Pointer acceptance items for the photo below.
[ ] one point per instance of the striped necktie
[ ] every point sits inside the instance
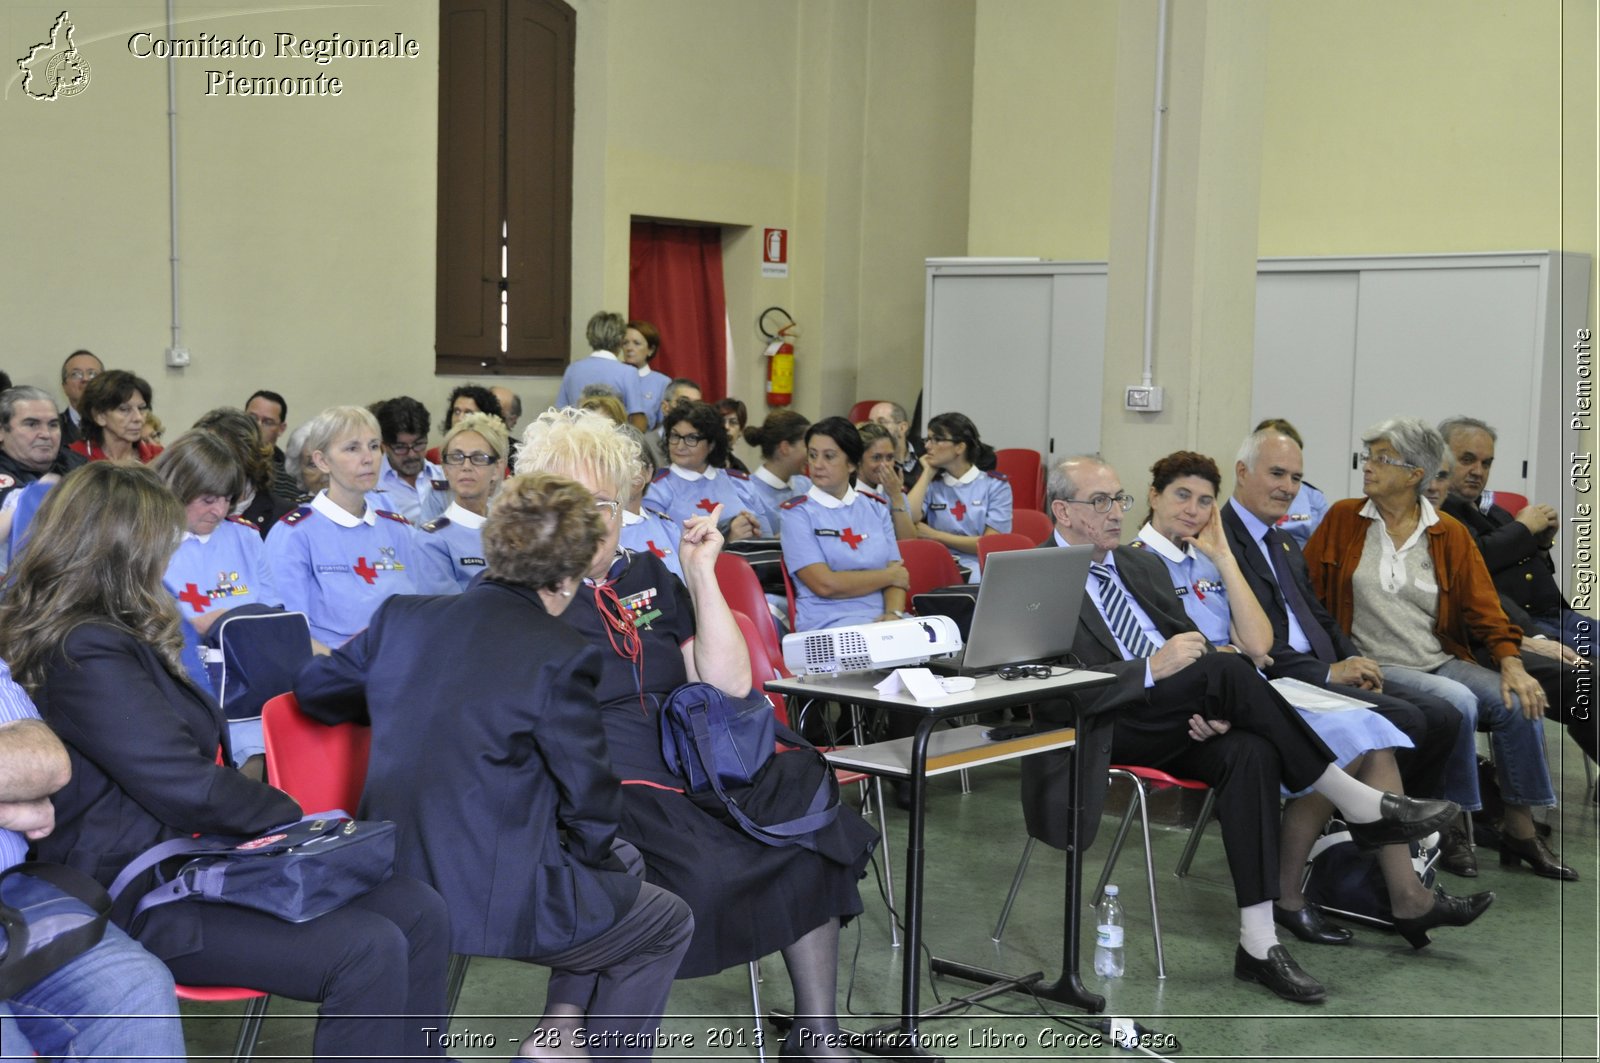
(1119, 613)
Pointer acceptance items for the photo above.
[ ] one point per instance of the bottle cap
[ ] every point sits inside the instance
(1111, 891)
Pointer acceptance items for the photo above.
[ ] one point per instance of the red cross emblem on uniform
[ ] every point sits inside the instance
(192, 597)
(959, 511)
(366, 571)
(654, 549)
(852, 538)
(706, 504)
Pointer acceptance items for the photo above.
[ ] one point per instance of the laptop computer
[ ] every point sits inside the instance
(1027, 610)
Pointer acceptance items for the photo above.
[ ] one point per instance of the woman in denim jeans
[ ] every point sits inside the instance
(1410, 587)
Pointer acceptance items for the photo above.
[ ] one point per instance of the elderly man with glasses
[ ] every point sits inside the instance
(76, 372)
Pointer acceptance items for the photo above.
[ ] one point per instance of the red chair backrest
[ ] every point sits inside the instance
(743, 592)
(929, 564)
(1023, 468)
(761, 667)
(862, 410)
(321, 766)
(1035, 525)
(1511, 502)
(996, 542)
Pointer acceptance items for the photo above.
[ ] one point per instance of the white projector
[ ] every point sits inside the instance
(862, 647)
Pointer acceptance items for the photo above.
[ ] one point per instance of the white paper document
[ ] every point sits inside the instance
(1315, 699)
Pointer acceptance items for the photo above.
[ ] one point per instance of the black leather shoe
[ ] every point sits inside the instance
(1446, 911)
(1403, 819)
(1279, 973)
(1456, 855)
(1307, 924)
(1538, 856)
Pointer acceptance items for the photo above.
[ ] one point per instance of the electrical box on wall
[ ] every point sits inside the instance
(177, 357)
(1142, 398)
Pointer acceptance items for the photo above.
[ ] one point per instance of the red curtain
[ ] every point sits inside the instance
(675, 283)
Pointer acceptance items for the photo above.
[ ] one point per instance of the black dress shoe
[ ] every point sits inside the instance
(1307, 924)
(1446, 911)
(1538, 856)
(1279, 973)
(1456, 855)
(1403, 819)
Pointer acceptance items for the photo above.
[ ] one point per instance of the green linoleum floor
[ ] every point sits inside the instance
(1521, 983)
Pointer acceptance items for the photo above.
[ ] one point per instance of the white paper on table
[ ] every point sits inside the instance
(1316, 699)
(918, 682)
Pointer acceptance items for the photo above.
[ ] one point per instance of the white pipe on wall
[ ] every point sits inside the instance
(1152, 232)
(172, 177)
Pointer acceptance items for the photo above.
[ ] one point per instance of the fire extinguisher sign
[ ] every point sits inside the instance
(775, 252)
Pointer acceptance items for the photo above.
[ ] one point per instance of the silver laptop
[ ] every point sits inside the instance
(1027, 609)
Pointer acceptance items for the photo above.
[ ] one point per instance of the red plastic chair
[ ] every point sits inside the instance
(930, 566)
(998, 542)
(1037, 526)
(1511, 502)
(249, 1023)
(1025, 469)
(1141, 778)
(862, 410)
(743, 592)
(323, 767)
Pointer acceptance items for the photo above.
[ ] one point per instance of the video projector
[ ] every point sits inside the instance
(863, 647)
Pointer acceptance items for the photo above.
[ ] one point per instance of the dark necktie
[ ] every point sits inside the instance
(1119, 613)
(1278, 553)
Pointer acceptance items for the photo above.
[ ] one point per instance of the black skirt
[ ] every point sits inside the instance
(749, 899)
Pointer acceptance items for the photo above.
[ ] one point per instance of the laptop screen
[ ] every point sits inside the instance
(1027, 607)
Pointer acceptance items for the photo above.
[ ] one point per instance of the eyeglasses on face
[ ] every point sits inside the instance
(82, 374)
(1368, 457)
(1103, 503)
(940, 439)
(609, 507)
(674, 439)
(409, 448)
(477, 457)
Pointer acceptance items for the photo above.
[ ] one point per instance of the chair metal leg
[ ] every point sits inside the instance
(454, 977)
(1116, 845)
(888, 860)
(1150, 876)
(1016, 885)
(755, 1009)
(1196, 834)
(255, 1009)
(1588, 778)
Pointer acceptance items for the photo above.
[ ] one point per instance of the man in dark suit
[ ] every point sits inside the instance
(1515, 547)
(1179, 706)
(1307, 643)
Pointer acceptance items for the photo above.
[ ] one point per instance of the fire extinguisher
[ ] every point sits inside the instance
(780, 357)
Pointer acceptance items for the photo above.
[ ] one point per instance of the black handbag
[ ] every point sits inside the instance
(296, 872)
(49, 915)
(714, 742)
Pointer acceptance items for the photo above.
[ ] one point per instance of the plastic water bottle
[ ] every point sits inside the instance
(1108, 956)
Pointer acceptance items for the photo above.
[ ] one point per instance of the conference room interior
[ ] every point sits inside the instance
(879, 134)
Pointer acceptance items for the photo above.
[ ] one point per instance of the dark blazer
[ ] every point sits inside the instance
(143, 743)
(1258, 573)
(1047, 777)
(1523, 573)
(488, 753)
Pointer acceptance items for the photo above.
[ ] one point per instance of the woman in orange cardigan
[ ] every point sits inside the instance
(1409, 586)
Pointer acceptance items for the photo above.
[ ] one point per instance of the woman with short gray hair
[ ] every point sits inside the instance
(1412, 590)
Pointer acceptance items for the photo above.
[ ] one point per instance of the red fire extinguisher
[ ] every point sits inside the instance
(780, 357)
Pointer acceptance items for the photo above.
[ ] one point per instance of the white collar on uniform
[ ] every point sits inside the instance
(603, 354)
(202, 539)
(1162, 545)
(341, 516)
(629, 518)
(689, 474)
(972, 473)
(644, 370)
(457, 514)
(827, 501)
(768, 477)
